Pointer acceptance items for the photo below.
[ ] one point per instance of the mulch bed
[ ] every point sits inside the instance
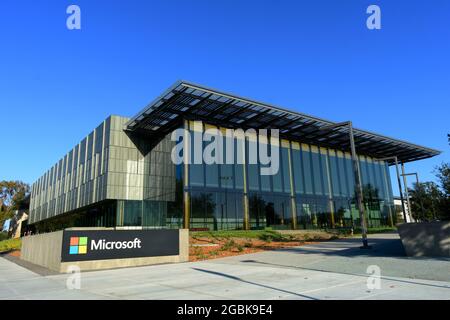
(198, 251)
(14, 253)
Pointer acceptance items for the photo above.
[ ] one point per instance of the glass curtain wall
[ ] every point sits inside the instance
(216, 190)
(101, 215)
(320, 180)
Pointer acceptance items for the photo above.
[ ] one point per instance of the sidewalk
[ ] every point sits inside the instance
(329, 270)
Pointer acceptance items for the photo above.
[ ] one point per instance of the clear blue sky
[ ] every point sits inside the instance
(316, 57)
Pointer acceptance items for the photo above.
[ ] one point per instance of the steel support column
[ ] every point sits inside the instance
(405, 184)
(359, 191)
(291, 181)
(357, 174)
(186, 196)
(246, 225)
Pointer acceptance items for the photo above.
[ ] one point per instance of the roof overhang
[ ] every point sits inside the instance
(186, 100)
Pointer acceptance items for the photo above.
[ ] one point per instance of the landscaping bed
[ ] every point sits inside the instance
(217, 244)
(11, 246)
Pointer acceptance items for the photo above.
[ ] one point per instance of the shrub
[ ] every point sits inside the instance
(3, 236)
(10, 244)
(248, 244)
(269, 236)
(197, 251)
(230, 244)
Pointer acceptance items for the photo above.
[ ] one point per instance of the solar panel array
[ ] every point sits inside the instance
(189, 101)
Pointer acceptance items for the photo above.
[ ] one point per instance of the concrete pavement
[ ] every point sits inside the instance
(345, 257)
(330, 270)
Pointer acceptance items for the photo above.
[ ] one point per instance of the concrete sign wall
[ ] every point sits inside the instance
(43, 249)
(101, 249)
(120, 244)
(427, 239)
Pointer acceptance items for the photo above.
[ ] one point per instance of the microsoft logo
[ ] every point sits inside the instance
(78, 245)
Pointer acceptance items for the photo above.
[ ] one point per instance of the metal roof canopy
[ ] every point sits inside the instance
(186, 100)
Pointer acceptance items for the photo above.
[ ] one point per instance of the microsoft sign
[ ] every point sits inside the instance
(79, 245)
(117, 244)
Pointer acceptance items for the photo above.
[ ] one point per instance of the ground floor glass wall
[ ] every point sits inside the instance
(313, 188)
(213, 210)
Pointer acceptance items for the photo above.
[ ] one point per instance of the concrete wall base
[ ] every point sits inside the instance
(427, 239)
(45, 250)
(116, 263)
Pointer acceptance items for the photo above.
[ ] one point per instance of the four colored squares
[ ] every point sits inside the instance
(78, 245)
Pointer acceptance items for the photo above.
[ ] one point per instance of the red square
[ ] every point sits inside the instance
(73, 241)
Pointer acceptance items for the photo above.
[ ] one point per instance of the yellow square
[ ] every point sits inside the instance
(82, 249)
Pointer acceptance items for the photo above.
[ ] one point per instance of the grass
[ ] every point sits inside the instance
(251, 234)
(375, 230)
(230, 244)
(272, 235)
(265, 235)
(10, 244)
(214, 252)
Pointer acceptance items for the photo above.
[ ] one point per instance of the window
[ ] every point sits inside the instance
(226, 170)
(317, 174)
(154, 214)
(196, 171)
(334, 172)
(297, 171)
(285, 168)
(132, 213)
(343, 182)
(325, 166)
(252, 169)
(238, 168)
(197, 210)
(350, 176)
(256, 211)
(212, 170)
(307, 169)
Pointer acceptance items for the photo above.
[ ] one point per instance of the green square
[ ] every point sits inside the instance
(82, 241)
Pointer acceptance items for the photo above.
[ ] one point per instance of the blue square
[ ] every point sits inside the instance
(73, 250)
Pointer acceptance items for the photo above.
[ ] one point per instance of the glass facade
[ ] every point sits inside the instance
(111, 179)
(313, 188)
(114, 180)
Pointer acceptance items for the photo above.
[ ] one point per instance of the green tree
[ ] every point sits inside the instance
(443, 174)
(14, 195)
(430, 201)
(426, 200)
